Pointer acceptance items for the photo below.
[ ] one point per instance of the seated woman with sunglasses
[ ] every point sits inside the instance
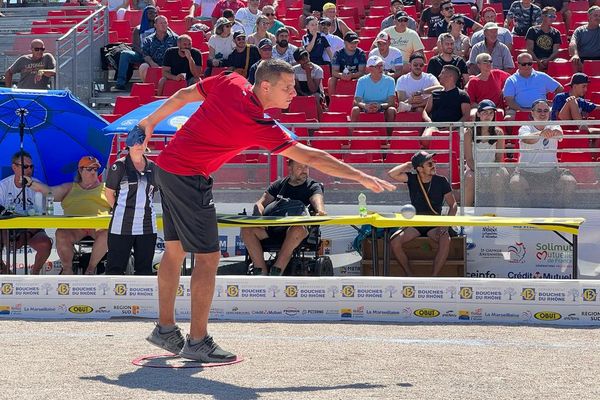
(84, 197)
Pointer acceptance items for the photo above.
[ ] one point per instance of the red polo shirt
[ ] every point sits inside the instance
(222, 5)
(230, 120)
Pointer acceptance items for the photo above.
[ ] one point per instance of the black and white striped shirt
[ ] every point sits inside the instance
(133, 212)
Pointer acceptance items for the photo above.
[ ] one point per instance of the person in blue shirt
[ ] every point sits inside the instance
(374, 92)
(571, 105)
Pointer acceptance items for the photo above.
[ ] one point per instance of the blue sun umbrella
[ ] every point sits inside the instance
(57, 131)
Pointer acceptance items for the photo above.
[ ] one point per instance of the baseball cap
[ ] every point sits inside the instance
(415, 56)
(299, 53)
(237, 34)
(383, 37)
(266, 42)
(400, 14)
(325, 21)
(88, 161)
(578, 79)
(457, 17)
(490, 25)
(420, 158)
(374, 60)
(488, 9)
(351, 37)
(222, 21)
(486, 105)
(328, 6)
(396, 1)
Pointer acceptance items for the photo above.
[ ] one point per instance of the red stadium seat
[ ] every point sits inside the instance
(111, 117)
(306, 104)
(343, 87)
(123, 29)
(125, 104)
(171, 87)
(298, 117)
(145, 91)
(591, 67)
(556, 68)
(341, 103)
(153, 75)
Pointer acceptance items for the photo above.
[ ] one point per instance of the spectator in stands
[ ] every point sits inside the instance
(204, 8)
(540, 143)
(274, 24)
(35, 69)
(449, 105)
(543, 41)
(561, 6)
(134, 56)
(181, 63)
(571, 106)
(223, 5)
(118, 6)
(501, 57)
(312, 8)
(265, 48)
(244, 55)
(142, 4)
(236, 25)
(404, 39)
(430, 16)
(374, 92)
(12, 186)
(84, 197)
(248, 15)
(391, 56)
(283, 49)
(130, 189)
(461, 41)
(492, 179)
(414, 89)
(504, 35)
(220, 45)
(447, 57)
(522, 15)
(155, 45)
(309, 78)
(348, 63)
(487, 85)
(261, 32)
(584, 43)
(336, 43)
(442, 25)
(476, 5)
(315, 42)
(297, 186)
(338, 27)
(526, 86)
(427, 191)
(390, 20)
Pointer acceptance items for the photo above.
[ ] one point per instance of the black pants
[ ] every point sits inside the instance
(119, 250)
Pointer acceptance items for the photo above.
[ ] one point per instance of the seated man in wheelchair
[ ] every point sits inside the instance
(296, 186)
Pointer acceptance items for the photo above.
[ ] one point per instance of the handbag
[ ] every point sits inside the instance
(284, 206)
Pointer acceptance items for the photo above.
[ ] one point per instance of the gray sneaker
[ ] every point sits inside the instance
(171, 341)
(206, 351)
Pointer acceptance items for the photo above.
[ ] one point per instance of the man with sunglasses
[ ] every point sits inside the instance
(395, 6)
(414, 89)
(427, 191)
(404, 39)
(13, 186)
(35, 69)
(526, 86)
(447, 10)
(244, 55)
(543, 41)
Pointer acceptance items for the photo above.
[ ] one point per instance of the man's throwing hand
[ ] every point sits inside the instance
(375, 184)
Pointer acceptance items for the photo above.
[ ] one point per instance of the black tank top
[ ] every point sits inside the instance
(337, 31)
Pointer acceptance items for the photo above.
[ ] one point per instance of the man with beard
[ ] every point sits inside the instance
(283, 49)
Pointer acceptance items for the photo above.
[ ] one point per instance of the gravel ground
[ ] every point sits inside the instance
(93, 360)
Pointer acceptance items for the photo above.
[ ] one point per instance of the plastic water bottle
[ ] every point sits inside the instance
(49, 204)
(10, 204)
(346, 71)
(362, 205)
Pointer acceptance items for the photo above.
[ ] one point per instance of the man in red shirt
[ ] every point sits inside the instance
(487, 84)
(230, 120)
(222, 5)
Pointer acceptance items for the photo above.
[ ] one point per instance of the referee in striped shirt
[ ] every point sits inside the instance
(129, 190)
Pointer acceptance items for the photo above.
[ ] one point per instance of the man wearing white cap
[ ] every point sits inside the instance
(374, 92)
(392, 57)
(501, 57)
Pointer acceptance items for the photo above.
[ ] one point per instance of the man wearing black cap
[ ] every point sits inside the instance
(427, 191)
(244, 55)
(309, 78)
(448, 13)
(265, 48)
(403, 38)
(395, 6)
(571, 106)
(348, 63)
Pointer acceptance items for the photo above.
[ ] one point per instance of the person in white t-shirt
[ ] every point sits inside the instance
(540, 171)
(220, 44)
(247, 16)
(392, 57)
(309, 78)
(11, 198)
(283, 50)
(206, 8)
(335, 42)
(413, 89)
(404, 39)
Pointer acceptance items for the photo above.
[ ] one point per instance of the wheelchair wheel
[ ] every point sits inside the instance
(323, 267)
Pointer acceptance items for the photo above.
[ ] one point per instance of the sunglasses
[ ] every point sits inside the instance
(25, 166)
(90, 169)
(459, 22)
(403, 19)
(239, 39)
(447, 8)
(418, 65)
(526, 64)
(551, 16)
(39, 49)
(485, 62)
(429, 164)
(268, 14)
(542, 110)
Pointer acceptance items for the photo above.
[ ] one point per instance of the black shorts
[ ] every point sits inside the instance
(189, 214)
(423, 230)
